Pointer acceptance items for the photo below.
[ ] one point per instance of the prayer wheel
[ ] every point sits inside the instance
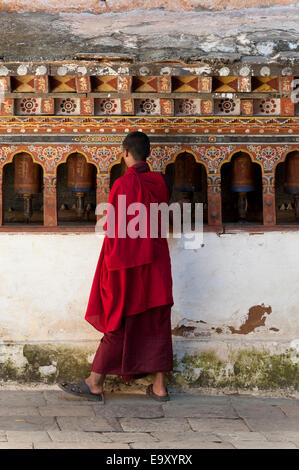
(27, 180)
(79, 178)
(291, 184)
(242, 181)
(187, 175)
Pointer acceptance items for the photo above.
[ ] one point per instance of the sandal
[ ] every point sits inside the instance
(81, 389)
(150, 393)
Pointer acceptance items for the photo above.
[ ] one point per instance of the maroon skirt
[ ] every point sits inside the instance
(141, 346)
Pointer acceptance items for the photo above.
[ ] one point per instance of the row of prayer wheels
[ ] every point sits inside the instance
(27, 180)
(243, 180)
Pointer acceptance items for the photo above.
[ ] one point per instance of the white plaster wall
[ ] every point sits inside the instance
(45, 280)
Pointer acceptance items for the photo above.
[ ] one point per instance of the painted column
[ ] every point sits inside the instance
(269, 206)
(1, 197)
(50, 201)
(214, 200)
(103, 188)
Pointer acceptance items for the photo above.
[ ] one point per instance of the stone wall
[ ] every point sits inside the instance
(269, 33)
(102, 6)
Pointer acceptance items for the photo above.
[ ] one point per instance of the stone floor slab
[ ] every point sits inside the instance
(292, 411)
(254, 409)
(70, 410)
(19, 398)
(130, 411)
(16, 445)
(128, 437)
(77, 445)
(79, 436)
(151, 425)
(185, 436)
(241, 436)
(262, 445)
(201, 410)
(182, 445)
(27, 436)
(217, 425)
(27, 423)
(289, 436)
(78, 423)
(267, 424)
(19, 411)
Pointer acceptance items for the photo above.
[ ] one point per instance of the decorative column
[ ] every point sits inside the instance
(1, 197)
(50, 201)
(269, 205)
(103, 188)
(214, 200)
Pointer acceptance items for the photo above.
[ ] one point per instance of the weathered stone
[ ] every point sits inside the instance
(27, 436)
(186, 436)
(17, 398)
(98, 424)
(182, 445)
(241, 436)
(77, 445)
(217, 425)
(44, 36)
(16, 445)
(270, 424)
(27, 423)
(129, 437)
(289, 436)
(19, 411)
(126, 411)
(199, 411)
(66, 411)
(78, 436)
(253, 409)
(262, 445)
(149, 425)
(292, 411)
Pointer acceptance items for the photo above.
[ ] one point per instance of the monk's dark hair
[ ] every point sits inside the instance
(138, 144)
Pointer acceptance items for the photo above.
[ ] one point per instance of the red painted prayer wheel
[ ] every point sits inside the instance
(292, 173)
(187, 173)
(291, 184)
(242, 173)
(27, 175)
(79, 173)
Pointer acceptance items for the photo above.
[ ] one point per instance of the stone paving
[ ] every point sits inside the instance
(50, 419)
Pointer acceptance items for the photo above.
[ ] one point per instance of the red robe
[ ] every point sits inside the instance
(133, 274)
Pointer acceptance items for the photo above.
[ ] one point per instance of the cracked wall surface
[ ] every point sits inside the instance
(263, 34)
(102, 6)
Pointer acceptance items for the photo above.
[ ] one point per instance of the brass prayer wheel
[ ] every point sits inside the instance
(242, 180)
(27, 180)
(27, 174)
(187, 174)
(79, 178)
(291, 184)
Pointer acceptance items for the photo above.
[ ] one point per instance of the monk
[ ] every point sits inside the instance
(131, 295)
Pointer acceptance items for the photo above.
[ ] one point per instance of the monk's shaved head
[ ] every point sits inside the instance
(138, 145)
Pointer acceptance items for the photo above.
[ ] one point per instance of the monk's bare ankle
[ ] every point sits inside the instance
(94, 386)
(159, 387)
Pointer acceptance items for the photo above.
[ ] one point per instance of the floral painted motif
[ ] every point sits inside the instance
(213, 156)
(268, 156)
